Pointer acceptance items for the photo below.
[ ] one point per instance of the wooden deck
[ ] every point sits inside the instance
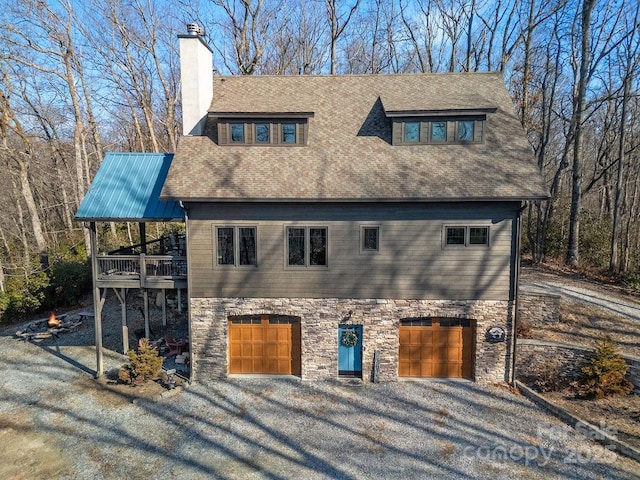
(141, 271)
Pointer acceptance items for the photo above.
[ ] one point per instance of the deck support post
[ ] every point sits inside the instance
(147, 328)
(164, 307)
(122, 296)
(97, 306)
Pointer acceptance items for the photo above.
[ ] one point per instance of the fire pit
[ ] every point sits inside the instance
(48, 327)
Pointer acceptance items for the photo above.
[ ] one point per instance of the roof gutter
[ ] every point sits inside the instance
(357, 200)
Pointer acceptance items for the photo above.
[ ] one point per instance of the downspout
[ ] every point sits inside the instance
(186, 240)
(516, 282)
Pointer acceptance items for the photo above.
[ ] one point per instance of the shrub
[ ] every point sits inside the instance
(145, 364)
(23, 296)
(70, 279)
(605, 372)
(549, 378)
(632, 280)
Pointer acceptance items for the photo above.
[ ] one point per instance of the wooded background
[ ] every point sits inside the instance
(78, 78)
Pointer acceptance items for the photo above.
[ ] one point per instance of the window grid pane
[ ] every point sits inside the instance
(370, 238)
(237, 132)
(288, 133)
(317, 246)
(225, 246)
(438, 131)
(412, 132)
(263, 133)
(465, 131)
(295, 239)
(416, 322)
(455, 235)
(478, 235)
(247, 247)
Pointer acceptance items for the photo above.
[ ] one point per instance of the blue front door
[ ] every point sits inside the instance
(350, 350)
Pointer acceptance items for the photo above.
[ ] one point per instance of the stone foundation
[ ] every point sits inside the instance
(319, 326)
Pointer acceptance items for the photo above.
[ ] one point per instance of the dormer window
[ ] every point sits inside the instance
(465, 131)
(263, 133)
(288, 132)
(438, 126)
(412, 132)
(438, 130)
(263, 130)
(237, 133)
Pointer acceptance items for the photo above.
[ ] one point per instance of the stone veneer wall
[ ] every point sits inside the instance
(537, 310)
(535, 358)
(319, 325)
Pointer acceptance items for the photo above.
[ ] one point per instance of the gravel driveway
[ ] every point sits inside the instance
(56, 422)
(583, 292)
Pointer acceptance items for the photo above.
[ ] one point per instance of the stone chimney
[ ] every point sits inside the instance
(196, 72)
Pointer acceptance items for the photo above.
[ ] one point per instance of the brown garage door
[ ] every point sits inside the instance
(436, 347)
(264, 344)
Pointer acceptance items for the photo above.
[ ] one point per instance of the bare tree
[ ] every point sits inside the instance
(337, 23)
(298, 42)
(373, 44)
(243, 31)
(135, 51)
(17, 149)
(592, 52)
(629, 61)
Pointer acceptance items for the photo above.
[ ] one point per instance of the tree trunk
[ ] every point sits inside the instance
(614, 265)
(27, 194)
(573, 253)
(21, 226)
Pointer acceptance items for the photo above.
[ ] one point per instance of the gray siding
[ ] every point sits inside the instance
(410, 264)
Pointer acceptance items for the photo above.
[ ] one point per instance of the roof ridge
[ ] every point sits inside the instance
(360, 75)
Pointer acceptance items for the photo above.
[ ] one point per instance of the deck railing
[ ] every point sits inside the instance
(142, 268)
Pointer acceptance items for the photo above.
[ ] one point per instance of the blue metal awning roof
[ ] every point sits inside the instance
(127, 187)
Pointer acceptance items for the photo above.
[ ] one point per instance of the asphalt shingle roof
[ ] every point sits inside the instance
(349, 155)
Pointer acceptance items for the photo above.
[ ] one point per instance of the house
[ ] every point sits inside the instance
(350, 226)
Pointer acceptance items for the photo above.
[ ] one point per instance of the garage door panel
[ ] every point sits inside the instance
(235, 364)
(235, 349)
(450, 335)
(453, 354)
(425, 370)
(253, 350)
(427, 337)
(262, 344)
(283, 350)
(431, 349)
